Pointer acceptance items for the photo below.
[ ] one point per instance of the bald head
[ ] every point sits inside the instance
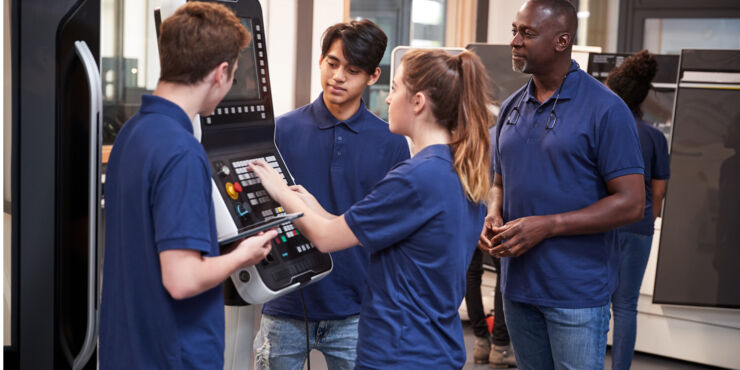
(561, 13)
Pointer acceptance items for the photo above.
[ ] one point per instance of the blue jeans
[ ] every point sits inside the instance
(634, 250)
(557, 338)
(281, 343)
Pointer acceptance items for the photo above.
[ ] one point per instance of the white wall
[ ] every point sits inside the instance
(500, 15)
(612, 27)
(280, 17)
(325, 14)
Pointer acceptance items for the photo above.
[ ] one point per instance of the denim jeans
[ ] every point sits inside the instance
(634, 250)
(557, 338)
(281, 343)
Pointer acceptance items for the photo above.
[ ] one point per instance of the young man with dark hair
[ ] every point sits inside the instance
(162, 304)
(337, 150)
(568, 171)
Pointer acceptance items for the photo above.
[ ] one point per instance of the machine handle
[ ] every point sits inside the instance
(96, 103)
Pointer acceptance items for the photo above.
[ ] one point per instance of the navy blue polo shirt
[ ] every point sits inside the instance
(421, 231)
(339, 163)
(157, 198)
(562, 169)
(657, 167)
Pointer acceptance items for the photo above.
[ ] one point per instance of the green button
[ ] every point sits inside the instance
(283, 238)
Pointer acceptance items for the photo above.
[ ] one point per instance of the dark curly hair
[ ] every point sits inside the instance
(631, 79)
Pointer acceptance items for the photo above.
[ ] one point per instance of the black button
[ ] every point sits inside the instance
(244, 276)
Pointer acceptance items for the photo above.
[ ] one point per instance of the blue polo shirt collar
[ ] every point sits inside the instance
(569, 88)
(325, 120)
(159, 105)
(442, 151)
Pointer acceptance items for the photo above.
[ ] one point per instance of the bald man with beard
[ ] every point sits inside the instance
(568, 170)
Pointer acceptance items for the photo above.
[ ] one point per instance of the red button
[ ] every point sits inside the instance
(237, 187)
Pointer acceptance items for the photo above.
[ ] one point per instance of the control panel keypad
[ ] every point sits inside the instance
(253, 203)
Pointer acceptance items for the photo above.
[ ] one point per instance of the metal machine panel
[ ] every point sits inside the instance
(699, 255)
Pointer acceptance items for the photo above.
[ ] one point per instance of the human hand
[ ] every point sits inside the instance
(271, 180)
(491, 221)
(306, 197)
(518, 236)
(254, 249)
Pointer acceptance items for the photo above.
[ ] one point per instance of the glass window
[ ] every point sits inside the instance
(129, 60)
(428, 23)
(406, 22)
(670, 35)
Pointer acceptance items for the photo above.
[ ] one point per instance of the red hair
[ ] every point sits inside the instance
(456, 86)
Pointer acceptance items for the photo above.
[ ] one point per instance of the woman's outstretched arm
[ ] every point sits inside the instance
(328, 232)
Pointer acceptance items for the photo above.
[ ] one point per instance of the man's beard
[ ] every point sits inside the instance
(522, 68)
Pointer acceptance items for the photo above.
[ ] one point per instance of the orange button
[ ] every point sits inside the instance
(230, 190)
(238, 187)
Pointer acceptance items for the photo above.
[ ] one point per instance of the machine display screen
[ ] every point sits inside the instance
(246, 86)
(497, 61)
(701, 222)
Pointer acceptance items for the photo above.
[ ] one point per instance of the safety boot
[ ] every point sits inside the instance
(481, 348)
(501, 357)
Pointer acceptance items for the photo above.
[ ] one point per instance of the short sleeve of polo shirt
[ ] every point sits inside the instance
(181, 201)
(619, 152)
(494, 135)
(662, 165)
(391, 212)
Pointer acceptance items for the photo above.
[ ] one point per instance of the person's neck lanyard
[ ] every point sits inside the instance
(551, 118)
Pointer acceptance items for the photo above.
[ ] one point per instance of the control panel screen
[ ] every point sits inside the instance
(245, 85)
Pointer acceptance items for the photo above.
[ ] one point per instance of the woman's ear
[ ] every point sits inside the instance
(419, 101)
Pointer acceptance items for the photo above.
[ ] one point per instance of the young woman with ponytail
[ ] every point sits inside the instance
(420, 220)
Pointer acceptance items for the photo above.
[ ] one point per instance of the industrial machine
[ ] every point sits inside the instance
(241, 130)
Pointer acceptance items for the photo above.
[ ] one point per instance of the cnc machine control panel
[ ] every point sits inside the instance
(241, 130)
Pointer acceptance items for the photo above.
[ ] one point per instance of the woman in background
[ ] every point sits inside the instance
(421, 221)
(631, 81)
